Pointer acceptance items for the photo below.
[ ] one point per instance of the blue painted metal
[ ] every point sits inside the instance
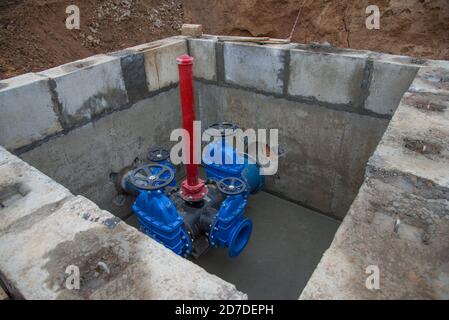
(231, 164)
(231, 228)
(160, 220)
(165, 219)
(168, 163)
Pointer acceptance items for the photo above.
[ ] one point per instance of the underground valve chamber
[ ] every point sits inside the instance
(190, 227)
(198, 214)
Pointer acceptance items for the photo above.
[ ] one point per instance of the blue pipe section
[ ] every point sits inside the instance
(232, 165)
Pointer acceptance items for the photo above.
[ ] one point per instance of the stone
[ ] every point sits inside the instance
(192, 30)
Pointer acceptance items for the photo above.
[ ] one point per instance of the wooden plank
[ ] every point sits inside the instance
(261, 40)
(242, 39)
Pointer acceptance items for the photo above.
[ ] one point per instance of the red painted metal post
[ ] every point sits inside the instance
(192, 189)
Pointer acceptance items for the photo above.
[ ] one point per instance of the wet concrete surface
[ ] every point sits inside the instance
(286, 244)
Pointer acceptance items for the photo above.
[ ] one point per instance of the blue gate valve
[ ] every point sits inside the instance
(231, 229)
(156, 213)
(232, 163)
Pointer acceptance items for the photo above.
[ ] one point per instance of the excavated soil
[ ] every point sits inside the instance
(417, 28)
(33, 36)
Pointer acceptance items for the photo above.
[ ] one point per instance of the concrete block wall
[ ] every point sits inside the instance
(38, 106)
(255, 67)
(347, 92)
(84, 157)
(327, 134)
(331, 107)
(333, 79)
(356, 81)
(399, 221)
(388, 83)
(82, 121)
(160, 65)
(205, 58)
(28, 113)
(44, 229)
(87, 88)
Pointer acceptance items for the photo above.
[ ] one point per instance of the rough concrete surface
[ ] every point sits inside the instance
(324, 151)
(388, 83)
(203, 51)
(328, 77)
(326, 137)
(253, 66)
(88, 87)
(399, 220)
(83, 159)
(134, 76)
(282, 231)
(160, 62)
(40, 238)
(27, 111)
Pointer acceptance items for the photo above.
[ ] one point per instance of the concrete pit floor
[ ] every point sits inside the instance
(286, 245)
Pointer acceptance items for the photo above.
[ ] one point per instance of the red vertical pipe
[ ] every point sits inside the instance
(185, 64)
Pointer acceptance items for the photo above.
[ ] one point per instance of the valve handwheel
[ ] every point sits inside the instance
(231, 186)
(158, 154)
(152, 176)
(222, 127)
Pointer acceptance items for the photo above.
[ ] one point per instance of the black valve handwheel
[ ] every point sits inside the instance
(231, 186)
(221, 127)
(152, 176)
(158, 154)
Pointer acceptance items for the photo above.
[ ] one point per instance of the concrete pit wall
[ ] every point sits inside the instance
(46, 231)
(331, 107)
(80, 122)
(95, 116)
(399, 222)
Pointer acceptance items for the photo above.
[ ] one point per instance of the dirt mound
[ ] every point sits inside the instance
(414, 27)
(33, 35)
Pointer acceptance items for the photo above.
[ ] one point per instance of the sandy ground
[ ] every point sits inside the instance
(33, 35)
(417, 28)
